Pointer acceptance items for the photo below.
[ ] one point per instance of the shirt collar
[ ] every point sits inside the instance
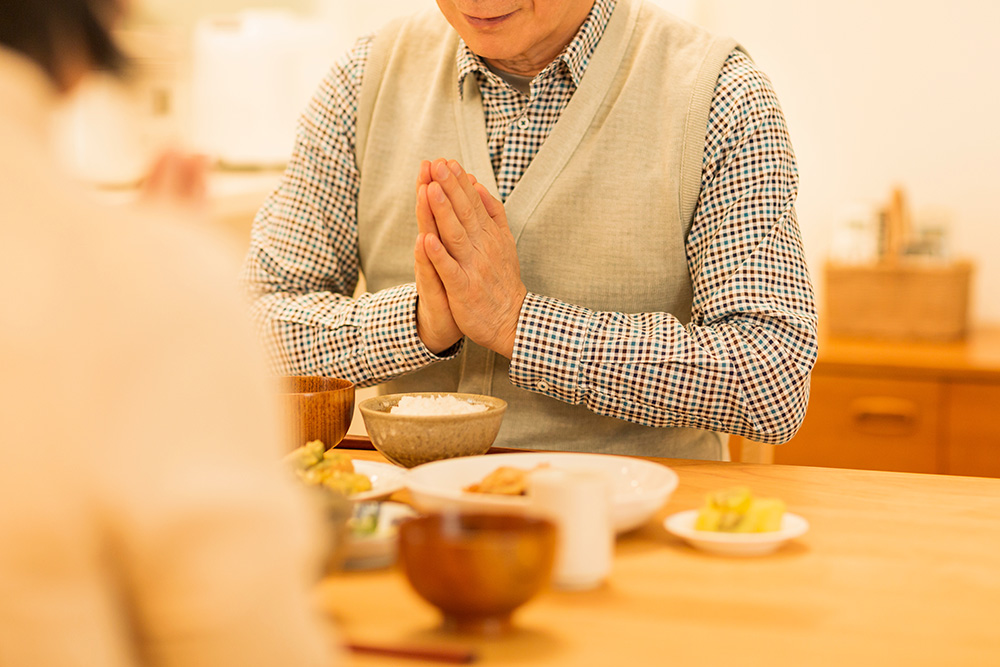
(575, 57)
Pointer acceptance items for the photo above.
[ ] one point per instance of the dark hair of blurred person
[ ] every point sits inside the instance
(60, 34)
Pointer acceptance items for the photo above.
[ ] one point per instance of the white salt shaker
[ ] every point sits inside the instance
(578, 502)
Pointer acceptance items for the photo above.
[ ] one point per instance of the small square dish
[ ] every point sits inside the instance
(735, 544)
(373, 534)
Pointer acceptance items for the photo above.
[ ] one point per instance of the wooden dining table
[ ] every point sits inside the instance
(896, 569)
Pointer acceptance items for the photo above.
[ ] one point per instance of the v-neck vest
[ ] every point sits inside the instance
(600, 216)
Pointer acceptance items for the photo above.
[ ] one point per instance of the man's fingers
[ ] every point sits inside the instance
(436, 325)
(466, 208)
(423, 173)
(492, 205)
(448, 270)
(450, 229)
(474, 257)
(467, 185)
(425, 218)
(428, 280)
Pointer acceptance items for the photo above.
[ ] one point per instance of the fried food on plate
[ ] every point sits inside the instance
(505, 480)
(331, 468)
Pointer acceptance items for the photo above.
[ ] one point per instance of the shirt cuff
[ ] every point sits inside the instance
(392, 346)
(548, 345)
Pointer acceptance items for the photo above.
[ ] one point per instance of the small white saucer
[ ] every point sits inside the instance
(735, 544)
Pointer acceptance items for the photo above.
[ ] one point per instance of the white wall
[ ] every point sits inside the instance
(186, 12)
(884, 92)
(353, 18)
(360, 17)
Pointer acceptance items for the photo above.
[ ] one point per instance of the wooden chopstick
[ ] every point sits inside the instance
(458, 655)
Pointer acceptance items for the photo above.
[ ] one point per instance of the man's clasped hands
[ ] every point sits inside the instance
(465, 258)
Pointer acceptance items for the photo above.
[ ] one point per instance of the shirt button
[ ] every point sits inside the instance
(523, 122)
(542, 386)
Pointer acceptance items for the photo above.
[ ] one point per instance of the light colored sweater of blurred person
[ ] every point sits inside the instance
(144, 517)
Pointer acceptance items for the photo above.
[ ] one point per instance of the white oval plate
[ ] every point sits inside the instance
(639, 488)
(735, 544)
(386, 479)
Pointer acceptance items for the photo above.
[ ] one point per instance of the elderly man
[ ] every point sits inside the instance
(610, 246)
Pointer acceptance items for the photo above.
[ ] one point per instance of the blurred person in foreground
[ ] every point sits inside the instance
(625, 267)
(143, 517)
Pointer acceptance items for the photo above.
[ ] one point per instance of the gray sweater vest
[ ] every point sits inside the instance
(600, 216)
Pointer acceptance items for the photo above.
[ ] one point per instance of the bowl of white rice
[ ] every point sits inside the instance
(419, 427)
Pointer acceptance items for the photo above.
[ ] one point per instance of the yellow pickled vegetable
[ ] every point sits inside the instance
(736, 510)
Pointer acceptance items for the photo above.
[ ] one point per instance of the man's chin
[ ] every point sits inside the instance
(493, 50)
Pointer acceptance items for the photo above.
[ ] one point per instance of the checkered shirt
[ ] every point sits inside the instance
(740, 366)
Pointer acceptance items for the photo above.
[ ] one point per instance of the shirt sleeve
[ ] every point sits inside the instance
(302, 267)
(743, 362)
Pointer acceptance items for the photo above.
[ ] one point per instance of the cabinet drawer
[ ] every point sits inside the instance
(972, 435)
(869, 423)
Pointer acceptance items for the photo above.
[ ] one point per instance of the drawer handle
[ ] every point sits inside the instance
(884, 414)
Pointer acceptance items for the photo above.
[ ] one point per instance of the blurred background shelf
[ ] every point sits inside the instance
(234, 197)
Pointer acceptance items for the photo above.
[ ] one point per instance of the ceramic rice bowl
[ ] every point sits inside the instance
(410, 440)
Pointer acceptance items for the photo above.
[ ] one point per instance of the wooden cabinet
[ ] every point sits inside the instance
(972, 429)
(908, 407)
(869, 422)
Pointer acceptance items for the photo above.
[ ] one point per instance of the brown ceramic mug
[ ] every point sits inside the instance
(316, 408)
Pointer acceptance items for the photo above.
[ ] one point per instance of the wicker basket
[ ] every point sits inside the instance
(903, 300)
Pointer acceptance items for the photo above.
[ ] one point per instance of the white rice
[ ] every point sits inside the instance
(434, 405)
